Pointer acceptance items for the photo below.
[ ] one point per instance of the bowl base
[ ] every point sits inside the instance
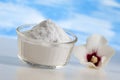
(41, 65)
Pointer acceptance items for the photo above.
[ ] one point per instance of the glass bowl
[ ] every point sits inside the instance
(41, 53)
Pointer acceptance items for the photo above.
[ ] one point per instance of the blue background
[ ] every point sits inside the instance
(82, 17)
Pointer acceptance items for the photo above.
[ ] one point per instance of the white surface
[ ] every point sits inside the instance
(11, 68)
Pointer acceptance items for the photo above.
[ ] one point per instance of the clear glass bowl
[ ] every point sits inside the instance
(41, 53)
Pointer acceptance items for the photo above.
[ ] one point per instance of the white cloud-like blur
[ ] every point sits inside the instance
(88, 25)
(100, 21)
(111, 3)
(12, 15)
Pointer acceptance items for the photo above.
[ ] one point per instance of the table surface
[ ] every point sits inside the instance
(11, 68)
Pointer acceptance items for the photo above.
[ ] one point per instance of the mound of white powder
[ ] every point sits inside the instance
(48, 31)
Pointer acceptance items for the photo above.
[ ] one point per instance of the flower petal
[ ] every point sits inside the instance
(80, 53)
(94, 41)
(106, 52)
(90, 65)
(103, 62)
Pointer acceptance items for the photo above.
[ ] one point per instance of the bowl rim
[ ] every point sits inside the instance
(41, 41)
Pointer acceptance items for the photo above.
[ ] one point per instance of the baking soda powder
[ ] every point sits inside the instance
(48, 55)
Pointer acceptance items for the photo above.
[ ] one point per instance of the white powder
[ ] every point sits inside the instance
(48, 31)
(45, 55)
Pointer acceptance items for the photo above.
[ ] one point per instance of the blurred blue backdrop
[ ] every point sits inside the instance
(82, 17)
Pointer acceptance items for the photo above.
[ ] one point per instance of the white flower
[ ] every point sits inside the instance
(96, 53)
